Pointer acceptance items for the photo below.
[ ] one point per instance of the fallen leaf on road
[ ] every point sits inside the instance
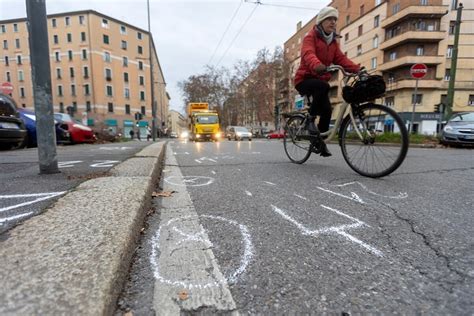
(164, 193)
(183, 295)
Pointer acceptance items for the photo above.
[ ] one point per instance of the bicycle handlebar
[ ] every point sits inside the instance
(344, 72)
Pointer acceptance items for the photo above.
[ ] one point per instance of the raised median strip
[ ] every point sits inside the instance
(73, 258)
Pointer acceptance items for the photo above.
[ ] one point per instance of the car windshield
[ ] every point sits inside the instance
(465, 117)
(241, 129)
(63, 117)
(6, 108)
(211, 119)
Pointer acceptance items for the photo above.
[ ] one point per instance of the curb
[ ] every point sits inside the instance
(74, 258)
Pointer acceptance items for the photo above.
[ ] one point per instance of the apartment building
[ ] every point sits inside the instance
(100, 70)
(388, 37)
(176, 122)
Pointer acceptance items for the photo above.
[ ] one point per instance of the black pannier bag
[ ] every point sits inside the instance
(365, 89)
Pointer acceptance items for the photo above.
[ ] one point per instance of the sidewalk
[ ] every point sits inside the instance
(74, 258)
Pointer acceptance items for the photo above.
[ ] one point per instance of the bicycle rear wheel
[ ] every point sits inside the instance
(297, 146)
(384, 142)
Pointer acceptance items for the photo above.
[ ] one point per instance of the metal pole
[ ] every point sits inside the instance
(454, 61)
(413, 111)
(152, 81)
(37, 22)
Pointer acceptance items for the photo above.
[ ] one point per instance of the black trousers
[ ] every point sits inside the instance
(319, 90)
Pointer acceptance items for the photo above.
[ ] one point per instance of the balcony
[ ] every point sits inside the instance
(413, 36)
(410, 60)
(431, 11)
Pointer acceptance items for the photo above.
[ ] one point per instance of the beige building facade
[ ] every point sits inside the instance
(100, 70)
(388, 37)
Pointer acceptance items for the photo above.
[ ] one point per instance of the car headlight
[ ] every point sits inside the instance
(184, 135)
(239, 134)
(448, 128)
(198, 136)
(218, 135)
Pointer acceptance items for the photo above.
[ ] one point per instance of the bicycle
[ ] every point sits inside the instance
(372, 137)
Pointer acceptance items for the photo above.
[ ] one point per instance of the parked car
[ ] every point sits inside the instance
(79, 133)
(459, 130)
(276, 134)
(174, 135)
(12, 128)
(29, 118)
(239, 133)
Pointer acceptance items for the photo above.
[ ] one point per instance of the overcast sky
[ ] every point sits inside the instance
(187, 32)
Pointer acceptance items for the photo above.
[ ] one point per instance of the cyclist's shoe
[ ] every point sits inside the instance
(311, 127)
(319, 147)
(324, 150)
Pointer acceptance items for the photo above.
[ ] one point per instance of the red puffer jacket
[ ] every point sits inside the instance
(315, 51)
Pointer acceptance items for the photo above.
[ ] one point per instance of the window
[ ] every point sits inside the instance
(73, 89)
(53, 23)
(420, 50)
(87, 90)
(105, 23)
(416, 99)
(376, 21)
(9, 77)
(105, 39)
(127, 108)
(126, 93)
(55, 39)
(143, 110)
(81, 19)
(348, 19)
(7, 62)
(110, 107)
(83, 36)
(3, 28)
(142, 95)
(447, 74)
(108, 74)
(69, 37)
(69, 54)
(470, 101)
(140, 65)
(359, 50)
(124, 45)
(88, 106)
(423, 2)
(140, 50)
(392, 56)
(378, 2)
(107, 57)
(125, 76)
(71, 72)
(139, 35)
(58, 73)
(373, 62)
(67, 21)
(452, 27)
(348, 3)
(360, 30)
(60, 90)
(454, 4)
(449, 51)
(109, 91)
(123, 29)
(17, 43)
(57, 56)
(346, 37)
(22, 92)
(395, 8)
(15, 27)
(362, 10)
(375, 42)
(390, 101)
(84, 54)
(5, 44)
(85, 71)
(18, 59)
(61, 107)
(74, 107)
(141, 80)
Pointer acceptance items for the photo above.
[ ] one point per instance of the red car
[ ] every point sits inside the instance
(276, 134)
(78, 132)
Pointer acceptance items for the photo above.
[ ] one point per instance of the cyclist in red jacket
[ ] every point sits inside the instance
(319, 50)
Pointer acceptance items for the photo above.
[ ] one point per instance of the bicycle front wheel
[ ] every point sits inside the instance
(297, 146)
(376, 142)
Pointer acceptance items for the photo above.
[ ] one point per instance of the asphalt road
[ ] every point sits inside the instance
(25, 193)
(309, 238)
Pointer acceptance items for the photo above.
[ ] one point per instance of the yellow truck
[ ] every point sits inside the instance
(203, 123)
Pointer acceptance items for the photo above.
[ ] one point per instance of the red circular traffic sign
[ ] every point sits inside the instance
(418, 71)
(6, 88)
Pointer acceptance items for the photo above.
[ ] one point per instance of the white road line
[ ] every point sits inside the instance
(104, 164)
(45, 196)
(299, 196)
(270, 183)
(213, 172)
(248, 193)
(68, 164)
(6, 219)
(354, 197)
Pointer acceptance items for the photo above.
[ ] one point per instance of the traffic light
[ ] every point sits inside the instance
(436, 108)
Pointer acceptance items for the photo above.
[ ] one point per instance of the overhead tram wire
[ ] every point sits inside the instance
(238, 33)
(228, 26)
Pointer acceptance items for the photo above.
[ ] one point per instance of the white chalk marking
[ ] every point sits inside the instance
(340, 230)
(68, 164)
(197, 160)
(270, 183)
(301, 197)
(193, 181)
(199, 237)
(244, 262)
(401, 195)
(213, 172)
(200, 160)
(39, 197)
(248, 193)
(6, 219)
(104, 163)
(114, 148)
(354, 196)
